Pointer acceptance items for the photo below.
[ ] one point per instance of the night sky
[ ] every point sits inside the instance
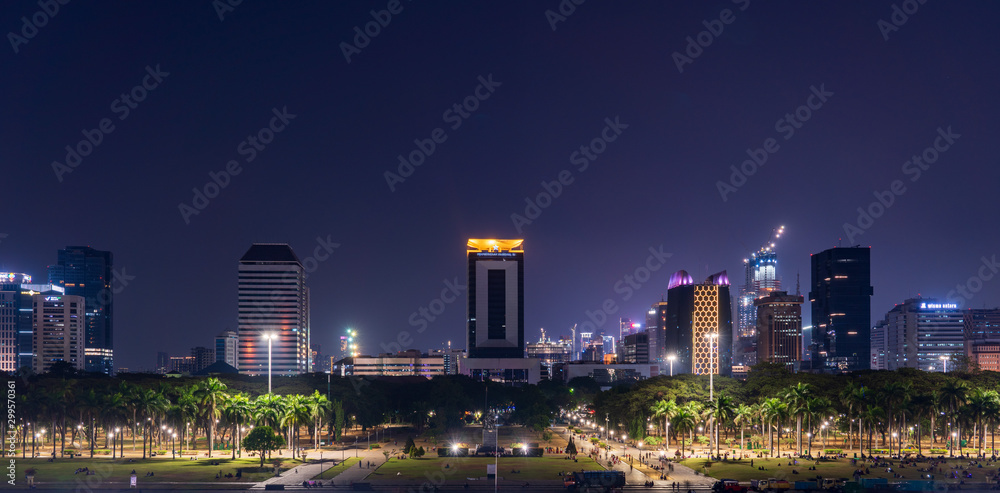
(656, 184)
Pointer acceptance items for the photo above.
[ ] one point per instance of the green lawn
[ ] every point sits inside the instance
(837, 468)
(339, 468)
(164, 470)
(459, 468)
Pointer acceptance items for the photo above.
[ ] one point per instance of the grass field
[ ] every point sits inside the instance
(339, 468)
(164, 470)
(838, 468)
(460, 468)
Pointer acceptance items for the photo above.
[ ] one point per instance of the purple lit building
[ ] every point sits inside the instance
(699, 325)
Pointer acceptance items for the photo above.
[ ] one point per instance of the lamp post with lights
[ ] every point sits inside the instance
(270, 337)
(671, 359)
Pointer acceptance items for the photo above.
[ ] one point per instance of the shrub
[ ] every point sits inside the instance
(374, 446)
(832, 451)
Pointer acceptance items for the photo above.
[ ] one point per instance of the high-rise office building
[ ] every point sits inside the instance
(656, 330)
(634, 348)
(496, 298)
(699, 325)
(227, 348)
(162, 362)
(761, 279)
(84, 271)
(840, 299)
(880, 346)
(59, 325)
(273, 302)
(779, 329)
(10, 318)
(921, 333)
(549, 353)
(203, 358)
(982, 337)
(17, 319)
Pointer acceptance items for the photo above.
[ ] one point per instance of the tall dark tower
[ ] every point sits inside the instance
(86, 272)
(699, 325)
(496, 298)
(841, 309)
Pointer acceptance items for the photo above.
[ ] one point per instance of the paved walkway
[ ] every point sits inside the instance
(306, 472)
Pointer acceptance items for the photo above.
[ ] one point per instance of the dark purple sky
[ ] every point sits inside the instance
(655, 184)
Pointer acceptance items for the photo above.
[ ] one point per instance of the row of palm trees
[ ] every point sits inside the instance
(155, 415)
(953, 412)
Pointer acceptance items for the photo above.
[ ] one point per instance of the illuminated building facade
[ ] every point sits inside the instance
(227, 348)
(880, 346)
(921, 332)
(496, 298)
(982, 337)
(59, 326)
(699, 324)
(11, 320)
(656, 330)
(84, 271)
(779, 329)
(549, 353)
(273, 299)
(840, 299)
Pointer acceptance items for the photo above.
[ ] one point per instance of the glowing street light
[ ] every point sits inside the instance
(671, 359)
(270, 336)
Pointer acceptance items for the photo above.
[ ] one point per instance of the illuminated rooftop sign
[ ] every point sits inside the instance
(492, 245)
(939, 306)
(12, 277)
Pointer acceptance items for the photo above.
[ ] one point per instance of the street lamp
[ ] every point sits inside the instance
(954, 436)
(270, 336)
(944, 359)
(671, 359)
(711, 363)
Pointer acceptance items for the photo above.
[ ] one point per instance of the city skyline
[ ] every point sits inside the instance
(592, 138)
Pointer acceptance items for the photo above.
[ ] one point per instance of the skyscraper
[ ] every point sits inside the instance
(11, 320)
(699, 324)
(761, 279)
(59, 331)
(273, 300)
(982, 337)
(227, 347)
(496, 298)
(921, 333)
(656, 332)
(86, 272)
(841, 309)
(779, 329)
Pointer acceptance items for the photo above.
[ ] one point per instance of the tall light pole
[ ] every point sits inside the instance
(711, 365)
(944, 359)
(270, 336)
(671, 359)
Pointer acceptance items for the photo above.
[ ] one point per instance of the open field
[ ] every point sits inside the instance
(164, 470)
(460, 468)
(835, 468)
(339, 468)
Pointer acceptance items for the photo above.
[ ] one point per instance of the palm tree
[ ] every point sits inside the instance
(722, 412)
(237, 410)
(871, 414)
(664, 408)
(319, 406)
(743, 414)
(953, 395)
(268, 410)
(683, 420)
(796, 397)
(815, 407)
(296, 412)
(775, 410)
(978, 405)
(922, 404)
(90, 404)
(211, 392)
(150, 403)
